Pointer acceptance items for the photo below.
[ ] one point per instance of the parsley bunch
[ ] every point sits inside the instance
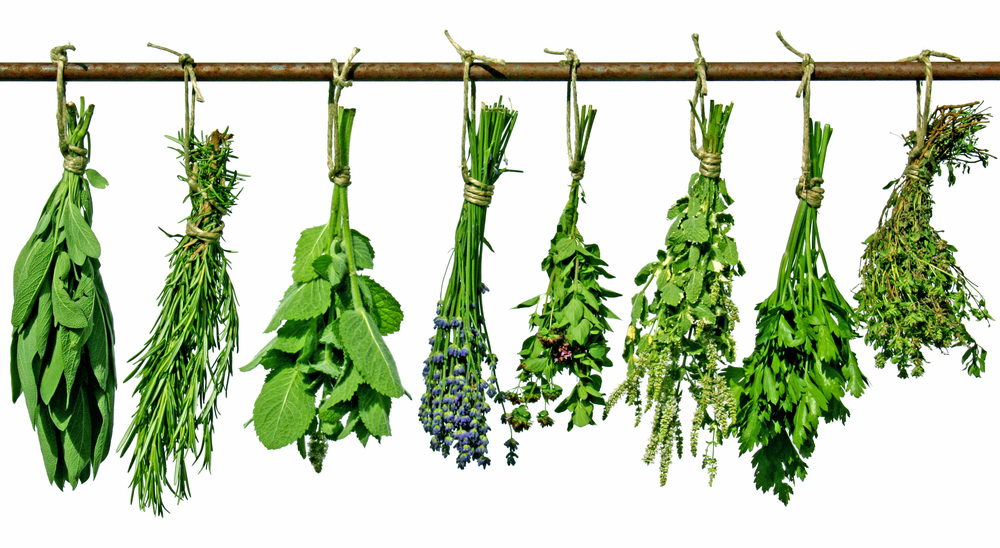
(802, 365)
(912, 293)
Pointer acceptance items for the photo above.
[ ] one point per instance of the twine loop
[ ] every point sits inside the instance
(915, 174)
(576, 169)
(468, 57)
(207, 236)
(341, 176)
(809, 190)
(476, 192)
(923, 117)
(75, 164)
(710, 163)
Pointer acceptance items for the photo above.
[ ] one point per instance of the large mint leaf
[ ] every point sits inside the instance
(302, 301)
(346, 386)
(368, 351)
(312, 243)
(283, 409)
(374, 409)
(386, 309)
(364, 254)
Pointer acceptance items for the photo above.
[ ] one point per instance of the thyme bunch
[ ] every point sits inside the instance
(912, 294)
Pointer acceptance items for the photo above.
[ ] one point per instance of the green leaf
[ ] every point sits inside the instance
(769, 388)
(374, 409)
(72, 346)
(364, 254)
(292, 335)
(67, 311)
(302, 301)
(48, 440)
(96, 179)
(102, 442)
(583, 414)
(52, 375)
(15, 375)
(671, 294)
(81, 242)
(332, 267)
(580, 332)
(329, 335)
(312, 243)
(385, 308)
(694, 286)
(730, 253)
(528, 303)
(28, 278)
(695, 230)
(369, 353)
(99, 348)
(346, 386)
(28, 369)
(256, 359)
(76, 440)
(283, 409)
(574, 311)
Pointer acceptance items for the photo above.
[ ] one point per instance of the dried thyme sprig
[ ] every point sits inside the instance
(912, 293)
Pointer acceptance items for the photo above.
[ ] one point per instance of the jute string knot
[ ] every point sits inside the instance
(710, 163)
(476, 192)
(809, 190)
(75, 164)
(339, 175)
(576, 169)
(576, 164)
(806, 187)
(207, 236)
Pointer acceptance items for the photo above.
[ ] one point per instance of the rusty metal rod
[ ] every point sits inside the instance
(451, 72)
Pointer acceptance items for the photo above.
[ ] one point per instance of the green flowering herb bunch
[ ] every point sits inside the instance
(802, 365)
(683, 335)
(913, 295)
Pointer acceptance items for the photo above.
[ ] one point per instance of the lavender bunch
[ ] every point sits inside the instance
(454, 405)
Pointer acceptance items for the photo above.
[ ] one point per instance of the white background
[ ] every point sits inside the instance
(915, 463)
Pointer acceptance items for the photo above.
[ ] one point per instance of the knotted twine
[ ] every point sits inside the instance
(913, 171)
(74, 164)
(190, 169)
(808, 187)
(710, 162)
(476, 192)
(339, 175)
(576, 165)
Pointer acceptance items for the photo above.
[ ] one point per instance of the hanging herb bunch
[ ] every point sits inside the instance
(330, 325)
(912, 294)
(573, 319)
(62, 346)
(453, 407)
(802, 365)
(683, 335)
(186, 363)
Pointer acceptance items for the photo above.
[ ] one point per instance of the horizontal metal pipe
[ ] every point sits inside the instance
(450, 72)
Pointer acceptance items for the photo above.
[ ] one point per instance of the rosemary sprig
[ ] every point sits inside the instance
(186, 363)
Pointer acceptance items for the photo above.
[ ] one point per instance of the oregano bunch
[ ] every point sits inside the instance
(912, 294)
(454, 405)
(62, 346)
(330, 373)
(802, 365)
(186, 363)
(573, 318)
(682, 337)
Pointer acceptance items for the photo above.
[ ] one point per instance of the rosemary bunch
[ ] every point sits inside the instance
(186, 362)
(802, 365)
(62, 346)
(573, 319)
(453, 407)
(912, 293)
(329, 342)
(679, 337)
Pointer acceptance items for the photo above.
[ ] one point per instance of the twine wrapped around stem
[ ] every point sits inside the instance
(808, 187)
(339, 175)
(710, 162)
